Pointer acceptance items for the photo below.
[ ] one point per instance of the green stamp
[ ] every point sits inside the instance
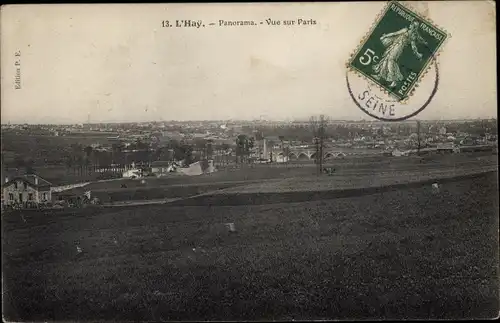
(398, 50)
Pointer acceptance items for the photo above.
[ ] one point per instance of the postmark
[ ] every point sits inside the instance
(398, 52)
(377, 104)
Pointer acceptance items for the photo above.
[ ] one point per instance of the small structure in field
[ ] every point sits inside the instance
(231, 227)
(329, 171)
(161, 167)
(76, 197)
(133, 173)
(199, 168)
(397, 153)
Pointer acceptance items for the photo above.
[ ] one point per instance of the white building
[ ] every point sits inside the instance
(132, 173)
(26, 189)
(161, 167)
(398, 153)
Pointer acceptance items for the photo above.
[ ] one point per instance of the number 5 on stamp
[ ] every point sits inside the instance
(398, 50)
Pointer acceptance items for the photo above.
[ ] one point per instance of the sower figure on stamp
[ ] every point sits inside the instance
(387, 68)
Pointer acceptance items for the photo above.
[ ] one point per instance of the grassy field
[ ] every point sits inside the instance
(310, 190)
(157, 192)
(277, 178)
(357, 179)
(348, 165)
(398, 254)
(59, 175)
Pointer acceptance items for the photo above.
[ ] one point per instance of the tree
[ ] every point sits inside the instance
(116, 149)
(158, 153)
(282, 138)
(88, 151)
(318, 126)
(270, 144)
(68, 161)
(225, 149)
(188, 154)
(322, 126)
(418, 138)
(177, 150)
(87, 165)
(88, 157)
(140, 145)
(210, 149)
(29, 165)
(76, 151)
(201, 144)
(314, 124)
(19, 162)
(95, 159)
(80, 163)
(250, 146)
(286, 152)
(259, 137)
(104, 159)
(241, 147)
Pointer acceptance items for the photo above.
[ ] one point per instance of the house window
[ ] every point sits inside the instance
(11, 196)
(25, 185)
(20, 197)
(15, 185)
(44, 196)
(30, 197)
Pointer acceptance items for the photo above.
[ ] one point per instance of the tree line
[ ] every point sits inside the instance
(31, 152)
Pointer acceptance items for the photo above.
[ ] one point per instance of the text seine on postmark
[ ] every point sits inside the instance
(396, 53)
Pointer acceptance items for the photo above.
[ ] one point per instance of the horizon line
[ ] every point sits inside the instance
(240, 120)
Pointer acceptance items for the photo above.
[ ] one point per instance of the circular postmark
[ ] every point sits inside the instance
(380, 105)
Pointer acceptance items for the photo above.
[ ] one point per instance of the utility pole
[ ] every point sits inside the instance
(316, 155)
(282, 148)
(260, 148)
(322, 122)
(316, 140)
(418, 137)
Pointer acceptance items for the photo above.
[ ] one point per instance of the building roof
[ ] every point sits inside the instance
(31, 180)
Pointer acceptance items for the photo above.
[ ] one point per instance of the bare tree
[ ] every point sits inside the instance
(225, 148)
(286, 153)
(322, 131)
(270, 145)
(282, 138)
(314, 123)
(418, 137)
(318, 127)
(259, 137)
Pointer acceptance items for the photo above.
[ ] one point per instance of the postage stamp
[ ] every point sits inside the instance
(397, 52)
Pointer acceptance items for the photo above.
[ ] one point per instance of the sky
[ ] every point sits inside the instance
(115, 63)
